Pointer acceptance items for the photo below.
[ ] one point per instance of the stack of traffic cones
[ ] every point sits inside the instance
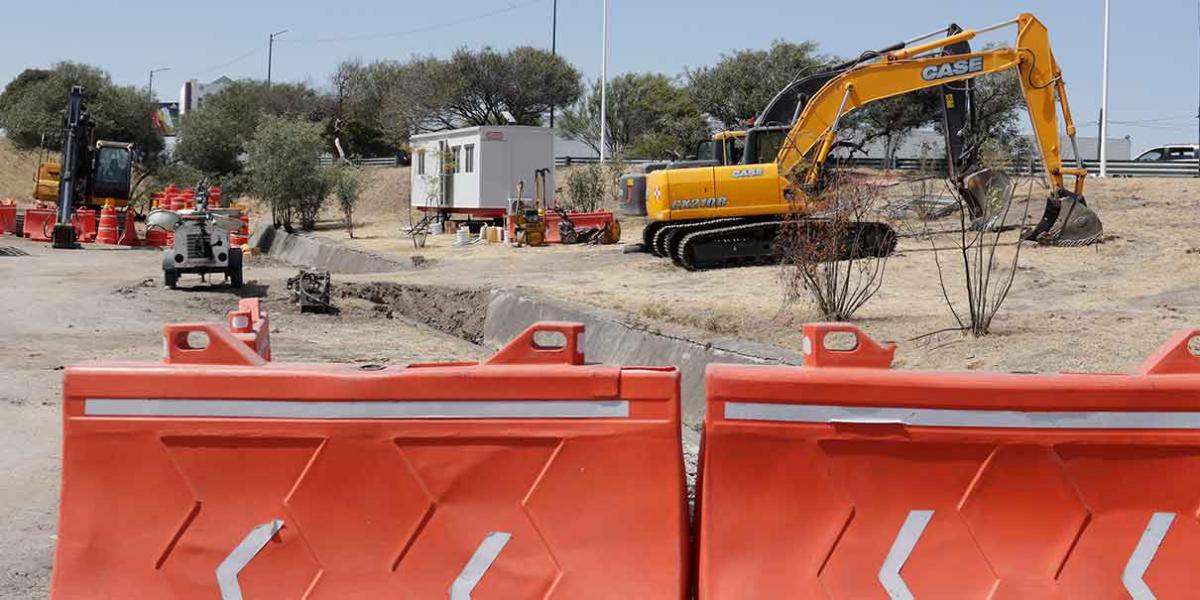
(106, 233)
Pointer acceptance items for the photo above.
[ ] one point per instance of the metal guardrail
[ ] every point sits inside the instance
(387, 161)
(1116, 168)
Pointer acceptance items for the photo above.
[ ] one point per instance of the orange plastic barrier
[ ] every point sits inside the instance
(217, 474)
(39, 223)
(84, 222)
(851, 480)
(8, 217)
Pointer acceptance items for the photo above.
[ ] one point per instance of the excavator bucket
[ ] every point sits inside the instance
(988, 195)
(1067, 221)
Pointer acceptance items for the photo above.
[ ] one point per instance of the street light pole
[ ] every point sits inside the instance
(150, 87)
(1104, 102)
(271, 53)
(553, 47)
(604, 88)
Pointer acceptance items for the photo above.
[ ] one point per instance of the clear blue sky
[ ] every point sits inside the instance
(1154, 75)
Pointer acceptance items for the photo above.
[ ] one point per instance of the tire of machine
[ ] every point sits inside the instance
(171, 278)
(234, 268)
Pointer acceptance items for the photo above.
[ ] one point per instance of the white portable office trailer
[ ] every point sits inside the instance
(474, 171)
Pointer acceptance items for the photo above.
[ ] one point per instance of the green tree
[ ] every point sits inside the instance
(212, 138)
(281, 169)
(472, 87)
(348, 184)
(648, 117)
(741, 84)
(524, 82)
(33, 104)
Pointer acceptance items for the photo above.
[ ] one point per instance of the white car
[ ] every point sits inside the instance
(1169, 153)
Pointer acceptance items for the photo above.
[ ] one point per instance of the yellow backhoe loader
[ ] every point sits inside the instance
(729, 215)
(89, 172)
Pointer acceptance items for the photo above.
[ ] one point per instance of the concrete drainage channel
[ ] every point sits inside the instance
(319, 253)
(493, 317)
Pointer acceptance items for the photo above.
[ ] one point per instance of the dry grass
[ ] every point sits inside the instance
(1100, 308)
(17, 171)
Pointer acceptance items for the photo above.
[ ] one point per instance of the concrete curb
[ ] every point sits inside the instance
(307, 250)
(612, 339)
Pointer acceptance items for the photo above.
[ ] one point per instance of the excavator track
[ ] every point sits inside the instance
(664, 240)
(753, 243)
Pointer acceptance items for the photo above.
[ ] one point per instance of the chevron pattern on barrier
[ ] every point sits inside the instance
(391, 522)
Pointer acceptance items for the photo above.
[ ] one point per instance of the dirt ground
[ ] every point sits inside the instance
(65, 307)
(1098, 308)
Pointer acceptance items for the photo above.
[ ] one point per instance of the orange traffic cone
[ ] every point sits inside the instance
(129, 237)
(106, 233)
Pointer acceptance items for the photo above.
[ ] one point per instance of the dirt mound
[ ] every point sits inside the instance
(456, 311)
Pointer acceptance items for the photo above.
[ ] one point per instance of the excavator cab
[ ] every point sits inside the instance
(725, 148)
(112, 173)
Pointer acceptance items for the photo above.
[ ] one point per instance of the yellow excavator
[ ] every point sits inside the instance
(729, 215)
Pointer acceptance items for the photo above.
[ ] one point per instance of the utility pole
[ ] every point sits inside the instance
(271, 52)
(554, 47)
(604, 88)
(150, 87)
(1104, 102)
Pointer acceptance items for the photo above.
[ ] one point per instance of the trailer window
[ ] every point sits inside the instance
(455, 154)
(469, 159)
(420, 162)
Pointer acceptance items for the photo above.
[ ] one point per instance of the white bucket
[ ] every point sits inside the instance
(462, 236)
(435, 228)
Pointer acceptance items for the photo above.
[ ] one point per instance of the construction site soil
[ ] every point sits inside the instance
(1097, 308)
(68, 307)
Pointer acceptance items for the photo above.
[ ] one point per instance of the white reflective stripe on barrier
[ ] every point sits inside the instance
(902, 547)
(1143, 555)
(486, 554)
(241, 556)
(947, 417)
(293, 409)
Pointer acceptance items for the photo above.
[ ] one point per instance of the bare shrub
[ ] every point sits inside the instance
(836, 258)
(986, 251)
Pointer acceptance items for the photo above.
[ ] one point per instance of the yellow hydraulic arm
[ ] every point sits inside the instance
(910, 69)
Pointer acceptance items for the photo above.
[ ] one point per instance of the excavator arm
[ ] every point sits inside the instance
(906, 70)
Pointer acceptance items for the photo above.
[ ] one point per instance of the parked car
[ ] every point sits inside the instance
(1169, 153)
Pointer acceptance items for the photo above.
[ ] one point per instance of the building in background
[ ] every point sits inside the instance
(193, 93)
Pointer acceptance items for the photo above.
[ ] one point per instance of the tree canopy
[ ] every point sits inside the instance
(741, 84)
(215, 136)
(33, 104)
(649, 116)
